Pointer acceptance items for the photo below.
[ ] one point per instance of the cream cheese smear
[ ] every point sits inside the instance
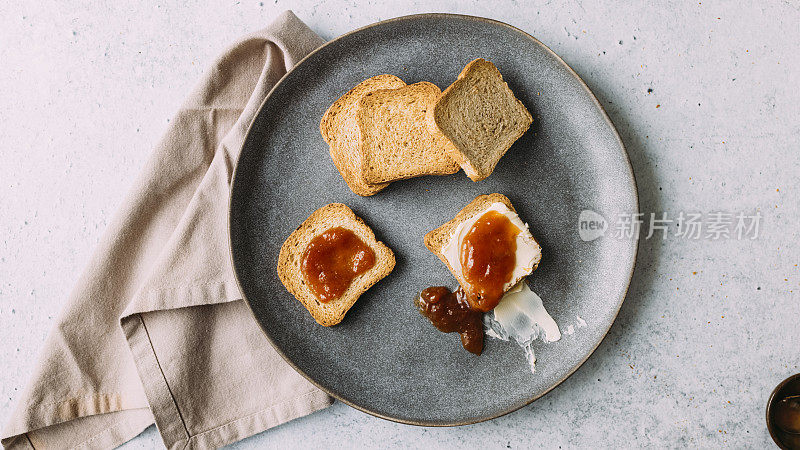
(521, 317)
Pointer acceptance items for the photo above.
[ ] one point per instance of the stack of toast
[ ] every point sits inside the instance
(384, 130)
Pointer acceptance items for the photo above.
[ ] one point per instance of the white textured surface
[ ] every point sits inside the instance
(708, 328)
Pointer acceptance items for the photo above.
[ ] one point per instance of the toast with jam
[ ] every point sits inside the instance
(487, 238)
(330, 260)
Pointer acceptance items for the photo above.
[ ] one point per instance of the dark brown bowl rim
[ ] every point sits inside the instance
(770, 424)
(622, 296)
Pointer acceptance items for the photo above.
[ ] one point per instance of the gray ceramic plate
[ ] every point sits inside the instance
(385, 358)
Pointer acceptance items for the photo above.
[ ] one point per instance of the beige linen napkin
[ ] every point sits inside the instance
(155, 329)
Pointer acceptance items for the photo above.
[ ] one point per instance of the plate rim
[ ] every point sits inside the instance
(605, 116)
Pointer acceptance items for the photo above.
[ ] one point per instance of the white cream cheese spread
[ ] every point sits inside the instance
(528, 251)
(521, 317)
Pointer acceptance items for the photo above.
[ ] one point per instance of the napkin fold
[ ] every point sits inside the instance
(155, 329)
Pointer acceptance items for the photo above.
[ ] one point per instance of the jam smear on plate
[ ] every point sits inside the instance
(450, 312)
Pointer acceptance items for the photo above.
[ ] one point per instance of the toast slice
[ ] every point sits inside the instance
(438, 238)
(339, 129)
(291, 257)
(480, 116)
(395, 141)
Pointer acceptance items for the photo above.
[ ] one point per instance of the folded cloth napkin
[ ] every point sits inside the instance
(155, 329)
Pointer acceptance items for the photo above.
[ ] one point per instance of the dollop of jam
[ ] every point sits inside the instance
(488, 255)
(450, 312)
(332, 260)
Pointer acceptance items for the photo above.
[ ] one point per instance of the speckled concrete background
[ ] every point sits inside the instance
(705, 96)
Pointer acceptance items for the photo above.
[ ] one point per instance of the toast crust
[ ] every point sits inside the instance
(292, 251)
